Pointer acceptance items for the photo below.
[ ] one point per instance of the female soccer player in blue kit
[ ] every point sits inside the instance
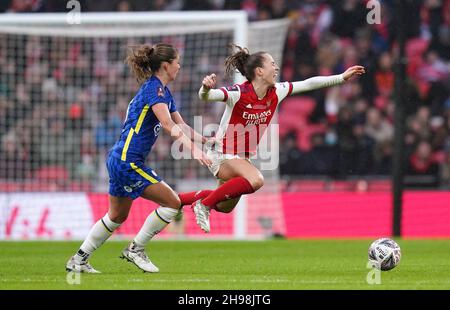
(150, 110)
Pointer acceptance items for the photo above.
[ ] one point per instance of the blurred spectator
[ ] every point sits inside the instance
(419, 123)
(99, 5)
(86, 170)
(346, 141)
(59, 145)
(377, 128)
(445, 172)
(124, 6)
(421, 162)
(15, 163)
(23, 6)
(411, 139)
(439, 133)
(251, 7)
(108, 130)
(277, 8)
(348, 16)
(198, 5)
(290, 158)
(383, 158)
(434, 69)
(321, 160)
(384, 77)
(364, 150)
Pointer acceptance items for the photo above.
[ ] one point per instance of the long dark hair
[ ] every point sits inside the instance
(243, 61)
(144, 60)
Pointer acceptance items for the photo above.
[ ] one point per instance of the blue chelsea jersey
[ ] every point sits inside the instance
(141, 127)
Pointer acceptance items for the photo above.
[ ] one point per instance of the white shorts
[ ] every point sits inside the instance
(218, 158)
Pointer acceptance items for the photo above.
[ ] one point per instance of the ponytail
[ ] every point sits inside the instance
(145, 60)
(244, 62)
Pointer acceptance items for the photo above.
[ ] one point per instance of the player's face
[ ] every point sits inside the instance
(270, 70)
(173, 68)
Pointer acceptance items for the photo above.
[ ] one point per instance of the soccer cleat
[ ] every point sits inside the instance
(139, 258)
(74, 266)
(201, 215)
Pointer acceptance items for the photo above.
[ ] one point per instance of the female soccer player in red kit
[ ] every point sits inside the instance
(249, 109)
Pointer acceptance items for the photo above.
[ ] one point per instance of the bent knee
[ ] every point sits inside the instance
(174, 203)
(257, 181)
(117, 217)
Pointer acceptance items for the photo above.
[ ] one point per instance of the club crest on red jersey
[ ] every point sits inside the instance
(232, 88)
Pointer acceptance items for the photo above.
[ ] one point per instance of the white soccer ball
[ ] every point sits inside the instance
(384, 254)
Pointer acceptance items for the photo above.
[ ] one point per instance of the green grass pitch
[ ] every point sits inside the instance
(231, 265)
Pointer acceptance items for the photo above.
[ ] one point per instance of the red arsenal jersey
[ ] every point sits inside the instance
(246, 117)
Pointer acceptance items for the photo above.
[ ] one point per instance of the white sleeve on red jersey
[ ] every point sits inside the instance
(316, 83)
(232, 94)
(210, 94)
(283, 90)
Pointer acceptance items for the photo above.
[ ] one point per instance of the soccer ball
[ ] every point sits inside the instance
(384, 254)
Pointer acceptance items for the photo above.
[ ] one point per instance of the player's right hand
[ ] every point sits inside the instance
(209, 81)
(352, 71)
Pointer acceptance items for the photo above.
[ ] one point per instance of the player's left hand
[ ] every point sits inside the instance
(352, 71)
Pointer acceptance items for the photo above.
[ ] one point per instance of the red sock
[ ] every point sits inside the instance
(191, 197)
(230, 189)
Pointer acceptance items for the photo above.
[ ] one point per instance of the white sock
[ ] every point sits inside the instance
(98, 234)
(155, 222)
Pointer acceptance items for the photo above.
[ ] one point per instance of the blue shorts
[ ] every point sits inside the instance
(129, 179)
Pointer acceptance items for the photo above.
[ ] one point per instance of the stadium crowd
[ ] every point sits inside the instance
(340, 132)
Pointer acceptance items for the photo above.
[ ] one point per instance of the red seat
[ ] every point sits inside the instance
(39, 186)
(342, 186)
(380, 185)
(52, 173)
(9, 186)
(290, 122)
(79, 186)
(304, 135)
(298, 105)
(307, 186)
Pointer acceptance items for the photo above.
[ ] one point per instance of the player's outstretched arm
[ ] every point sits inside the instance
(188, 130)
(207, 91)
(326, 81)
(162, 113)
